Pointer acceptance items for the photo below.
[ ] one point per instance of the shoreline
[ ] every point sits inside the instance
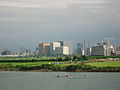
(52, 71)
(58, 68)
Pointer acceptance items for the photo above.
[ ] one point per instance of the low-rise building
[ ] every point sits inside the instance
(6, 52)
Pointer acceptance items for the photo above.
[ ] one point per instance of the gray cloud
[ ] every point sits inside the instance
(47, 3)
(24, 25)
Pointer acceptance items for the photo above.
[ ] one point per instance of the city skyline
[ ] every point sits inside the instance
(26, 23)
(103, 48)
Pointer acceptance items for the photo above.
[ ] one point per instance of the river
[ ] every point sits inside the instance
(50, 81)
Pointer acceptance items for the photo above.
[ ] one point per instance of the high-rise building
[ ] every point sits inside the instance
(102, 49)
(79, 48)
(44, 48)
(86, 47)
(63, 50)
(68, 44)
(53, 46)
(88, 51)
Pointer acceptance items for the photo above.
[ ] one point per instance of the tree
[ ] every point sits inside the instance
(67, 58)
(83, 57)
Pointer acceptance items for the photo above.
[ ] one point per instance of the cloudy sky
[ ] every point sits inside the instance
(25, 23)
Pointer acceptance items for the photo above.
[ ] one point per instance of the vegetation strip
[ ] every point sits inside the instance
(71, 64)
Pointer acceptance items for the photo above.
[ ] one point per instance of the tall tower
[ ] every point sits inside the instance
(86, 47)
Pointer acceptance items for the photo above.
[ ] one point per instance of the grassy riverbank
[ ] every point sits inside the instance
(105, 64)
(62, 67)
(59, 64)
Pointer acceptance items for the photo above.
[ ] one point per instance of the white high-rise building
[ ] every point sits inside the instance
(102, 49)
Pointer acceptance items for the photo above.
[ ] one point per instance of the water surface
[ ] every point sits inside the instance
(50, 81)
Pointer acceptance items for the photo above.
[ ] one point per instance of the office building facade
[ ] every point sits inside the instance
(53, 48)
(44, 48)
(67, 44)
(79, 48)
(117, 50)
(102, 49)
(63, 50)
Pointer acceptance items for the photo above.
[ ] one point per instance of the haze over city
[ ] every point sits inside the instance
(26, 23)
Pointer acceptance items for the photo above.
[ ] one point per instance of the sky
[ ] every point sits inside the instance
(26, 23)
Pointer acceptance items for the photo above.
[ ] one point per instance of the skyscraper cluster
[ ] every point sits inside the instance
(56, 48)
(103, 48)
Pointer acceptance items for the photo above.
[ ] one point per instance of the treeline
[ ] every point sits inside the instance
(67, 58)
(61, 58)
(54, 67)
(102, 57)
(33, 60)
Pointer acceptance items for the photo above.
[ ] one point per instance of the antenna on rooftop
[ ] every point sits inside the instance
(58, 28)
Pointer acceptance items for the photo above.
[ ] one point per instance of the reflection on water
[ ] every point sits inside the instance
(50, 81)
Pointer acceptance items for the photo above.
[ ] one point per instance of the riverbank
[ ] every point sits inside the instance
(59, 65)
(59, 68)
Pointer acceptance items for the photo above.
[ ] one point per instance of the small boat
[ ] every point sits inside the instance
(71, 77)
(58, 75)
(85, 76)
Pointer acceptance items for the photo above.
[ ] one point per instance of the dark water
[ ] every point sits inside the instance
(50, 81)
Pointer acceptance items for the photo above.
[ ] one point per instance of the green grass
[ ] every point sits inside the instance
(27, 64)
(32, 63)
(105, 64)
(33, 66)
(64, 66)
(18, 58)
